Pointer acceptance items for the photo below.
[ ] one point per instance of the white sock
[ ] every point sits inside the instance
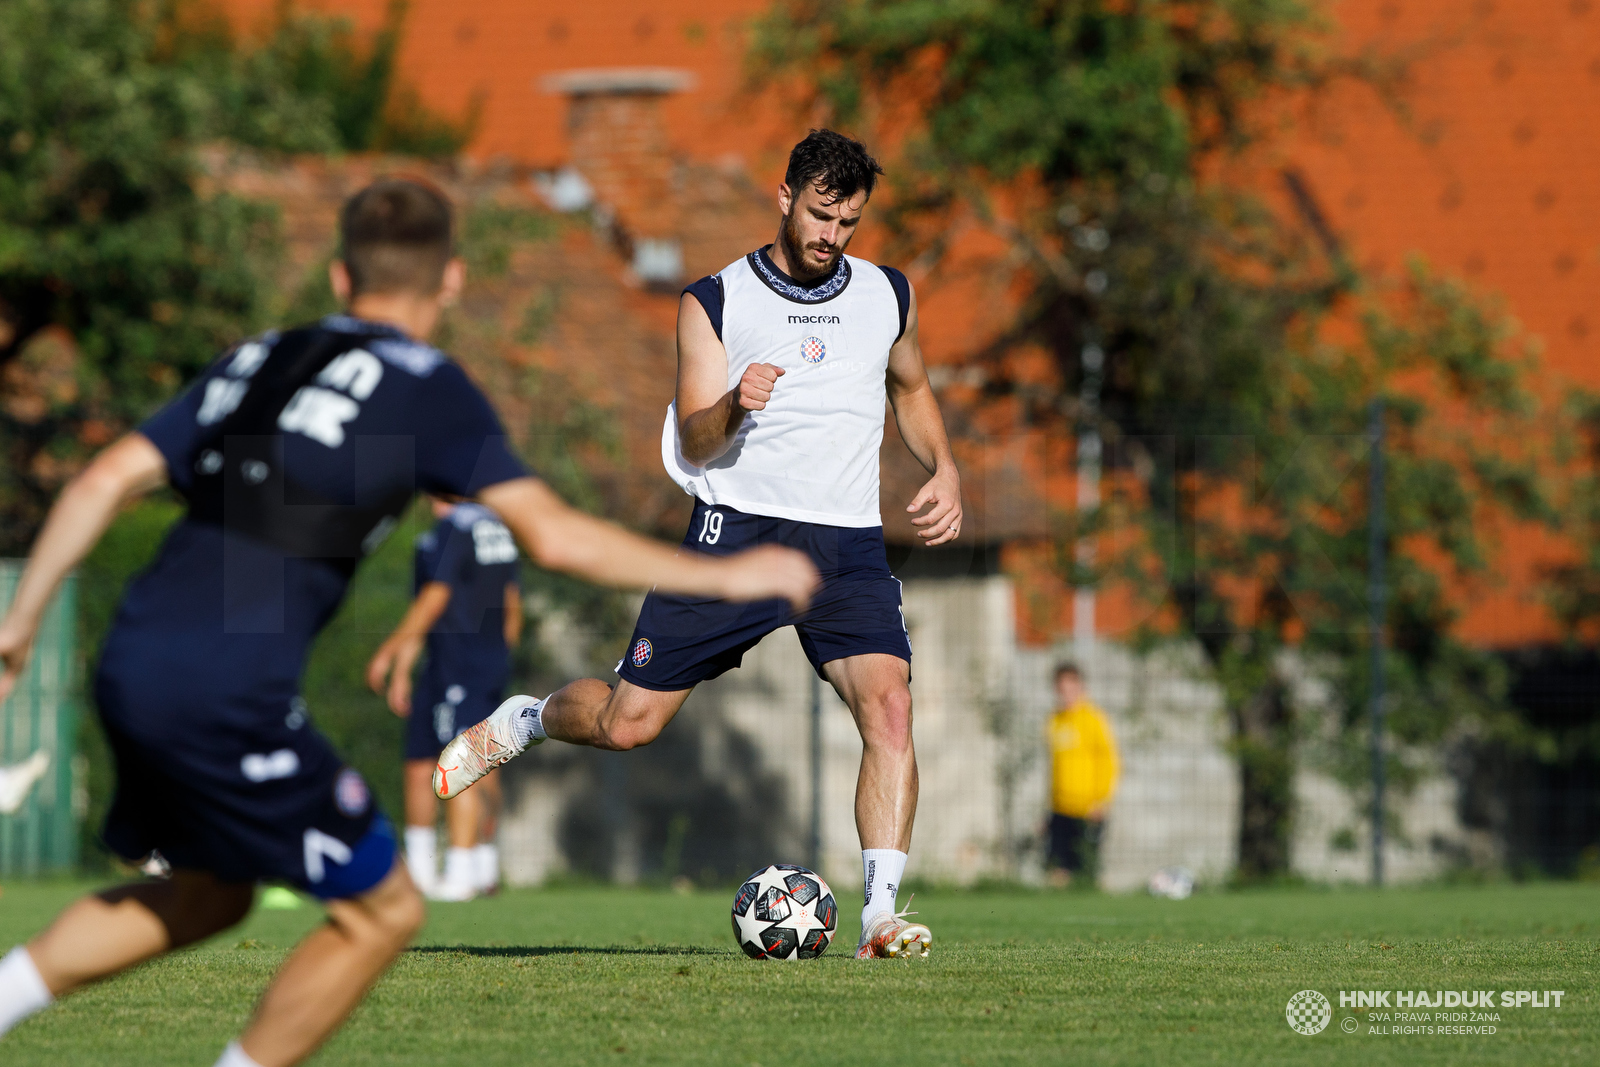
(883, 869)
(486, 867)
(528, 727)
(460, 868)
(422, 854)
(234, 1056)
(22, 991)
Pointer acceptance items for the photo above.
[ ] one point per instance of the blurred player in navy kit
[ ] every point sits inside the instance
(295, 452)
(468, 613)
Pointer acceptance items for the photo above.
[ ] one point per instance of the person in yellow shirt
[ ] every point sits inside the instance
(1083, 775)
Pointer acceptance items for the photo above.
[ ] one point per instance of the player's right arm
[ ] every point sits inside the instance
(128, 468)
(561, 538)
(709, 413)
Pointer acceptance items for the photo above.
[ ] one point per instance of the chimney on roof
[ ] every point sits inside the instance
(619, 147)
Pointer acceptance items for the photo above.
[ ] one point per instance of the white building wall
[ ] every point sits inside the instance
(980, 705)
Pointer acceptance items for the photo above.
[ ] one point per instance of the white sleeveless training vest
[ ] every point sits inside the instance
(812, 454)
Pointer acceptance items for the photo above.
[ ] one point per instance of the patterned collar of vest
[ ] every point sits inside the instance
(785, 286)
(351, 324)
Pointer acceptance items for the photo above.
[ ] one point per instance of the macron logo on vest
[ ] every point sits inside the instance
(832, 320)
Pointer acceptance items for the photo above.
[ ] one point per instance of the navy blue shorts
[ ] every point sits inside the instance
(241, 786)
(443, 704)
(681, 641)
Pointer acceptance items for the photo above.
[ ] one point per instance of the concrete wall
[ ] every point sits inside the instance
(729, 783)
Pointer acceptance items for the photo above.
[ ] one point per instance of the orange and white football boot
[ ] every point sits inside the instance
(479, 749)
(892, 937)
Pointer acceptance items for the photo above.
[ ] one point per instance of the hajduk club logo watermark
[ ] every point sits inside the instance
(812, 350)
(1465, 1012)
(1308, 1012)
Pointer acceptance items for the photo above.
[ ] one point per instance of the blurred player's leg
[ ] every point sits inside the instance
(113, 930)
(331, 970)
(422, 813)
(463, 817)
(486, 856)
(877, 688)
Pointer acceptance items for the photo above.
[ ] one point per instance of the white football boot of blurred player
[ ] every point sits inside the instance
(476, 751)
(17, 780)
(890, 936)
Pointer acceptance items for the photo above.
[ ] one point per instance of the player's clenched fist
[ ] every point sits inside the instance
(755, 388)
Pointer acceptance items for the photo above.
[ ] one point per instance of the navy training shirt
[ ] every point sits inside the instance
(232, 617)
(472, 552)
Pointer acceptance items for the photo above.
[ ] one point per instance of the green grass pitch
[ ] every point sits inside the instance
(616, 976)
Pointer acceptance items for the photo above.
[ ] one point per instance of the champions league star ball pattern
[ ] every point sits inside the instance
(812, 350)
(784, 913)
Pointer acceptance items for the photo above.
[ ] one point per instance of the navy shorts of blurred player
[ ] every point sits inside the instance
(682, 641)
(441, 709)
(240, 784)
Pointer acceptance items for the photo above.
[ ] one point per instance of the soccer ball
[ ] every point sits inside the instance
(784, 912)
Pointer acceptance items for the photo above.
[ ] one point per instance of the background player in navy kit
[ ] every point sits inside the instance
(788, 455)
(468, 614)
(295, 454)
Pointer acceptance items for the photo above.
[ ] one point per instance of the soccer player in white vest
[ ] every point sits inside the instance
(785, 360)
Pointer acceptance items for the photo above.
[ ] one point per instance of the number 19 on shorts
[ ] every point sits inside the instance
(711, 528)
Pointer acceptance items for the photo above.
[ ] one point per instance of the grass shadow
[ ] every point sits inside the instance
(570, 950)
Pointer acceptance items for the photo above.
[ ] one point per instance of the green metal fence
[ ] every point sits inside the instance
(42, 713)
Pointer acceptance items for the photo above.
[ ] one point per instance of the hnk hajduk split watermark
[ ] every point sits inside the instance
(1421, 1012)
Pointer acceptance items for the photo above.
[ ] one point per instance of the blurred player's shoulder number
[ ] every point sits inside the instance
(492, 543)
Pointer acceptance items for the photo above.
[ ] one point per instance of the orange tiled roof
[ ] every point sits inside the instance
(1493, 174)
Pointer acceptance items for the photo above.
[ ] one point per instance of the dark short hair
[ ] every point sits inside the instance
(837, 164)
(1067, 667)
(395, 236)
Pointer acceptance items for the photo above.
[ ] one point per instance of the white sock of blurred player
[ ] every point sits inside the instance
(460, 880)
(22, 990)
(234, 1056)
(486, 866)
(883, 868)
(422, 856)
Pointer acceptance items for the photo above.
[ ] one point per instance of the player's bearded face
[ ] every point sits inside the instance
(802, 253)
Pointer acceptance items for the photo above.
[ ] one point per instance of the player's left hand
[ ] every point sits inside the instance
(942, 523)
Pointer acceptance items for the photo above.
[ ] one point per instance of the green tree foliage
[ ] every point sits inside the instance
(103, 235)
(120, 275)
(1191, 326)
(311, 83)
